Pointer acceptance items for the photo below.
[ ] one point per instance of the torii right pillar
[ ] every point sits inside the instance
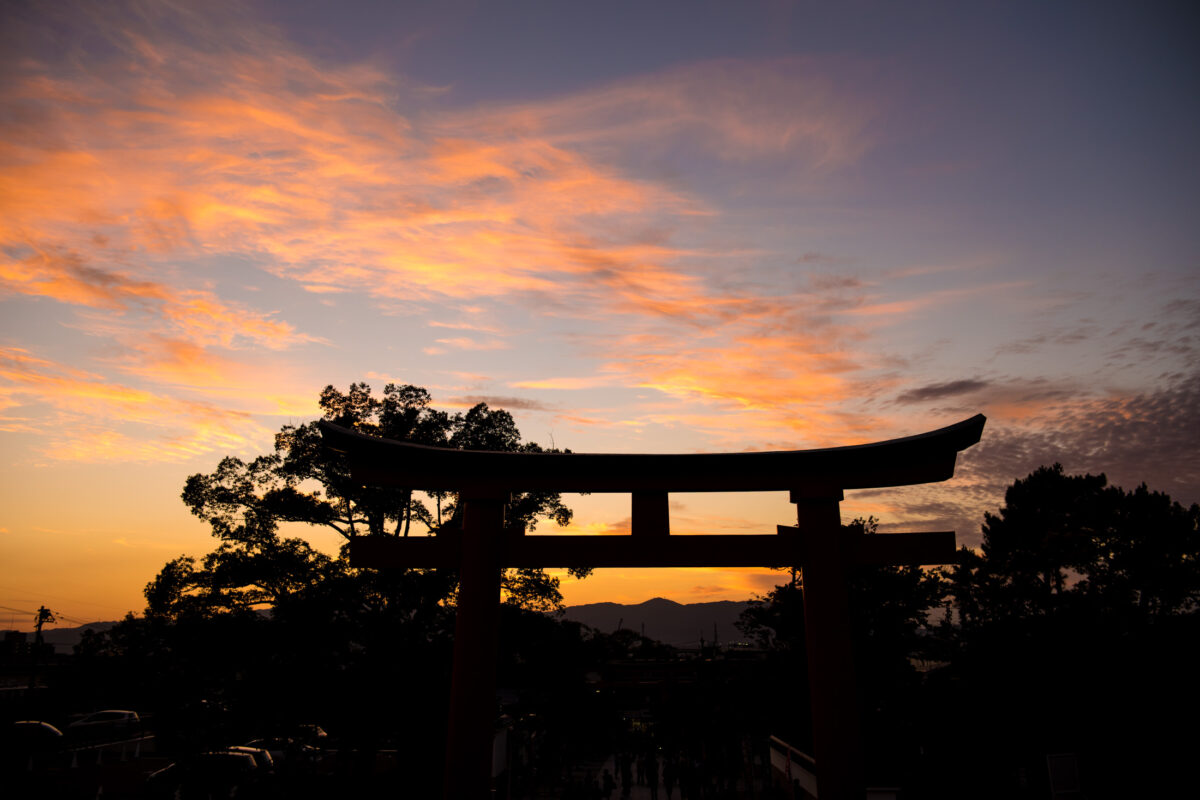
(829, 554)
(837, 737)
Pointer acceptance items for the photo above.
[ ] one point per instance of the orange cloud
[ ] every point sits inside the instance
(79, 416)
(197, 314)
(257, 384)
(177, 361)
(248, 146)
(590, 382)
(775, 370)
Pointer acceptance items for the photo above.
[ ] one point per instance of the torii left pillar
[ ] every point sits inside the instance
(473, 680)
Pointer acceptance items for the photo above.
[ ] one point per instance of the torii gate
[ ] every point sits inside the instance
(815, 480)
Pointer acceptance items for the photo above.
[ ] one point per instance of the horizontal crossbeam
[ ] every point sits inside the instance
(923, 458)
(788, 548)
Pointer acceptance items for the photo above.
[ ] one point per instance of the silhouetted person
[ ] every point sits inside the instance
(692, 778)
(669, 770)
(652, 775)
(682, 770)
(609, 784)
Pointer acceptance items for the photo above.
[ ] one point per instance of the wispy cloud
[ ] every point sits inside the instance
(734, 110)
(465, 343)
(941, 391)
(197, 314)
(929, 300)
(79, 416)
(569, 384)
(463, 326)
(496, 401)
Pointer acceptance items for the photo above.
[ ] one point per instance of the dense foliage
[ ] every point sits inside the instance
(248, 504)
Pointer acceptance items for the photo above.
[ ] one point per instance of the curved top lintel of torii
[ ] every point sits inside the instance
(923, 458)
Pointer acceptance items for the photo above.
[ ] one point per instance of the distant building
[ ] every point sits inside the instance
(16, 643)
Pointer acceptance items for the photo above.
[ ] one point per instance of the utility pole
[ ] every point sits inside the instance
(43, 616)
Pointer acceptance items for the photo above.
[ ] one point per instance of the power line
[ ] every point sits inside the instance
(18, 610)
(32, 593)
(34, 614)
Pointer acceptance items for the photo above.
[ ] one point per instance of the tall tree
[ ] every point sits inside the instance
(245, 504)
(1065, 545)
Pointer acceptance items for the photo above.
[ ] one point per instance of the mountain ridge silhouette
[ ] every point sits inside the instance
(667, 621)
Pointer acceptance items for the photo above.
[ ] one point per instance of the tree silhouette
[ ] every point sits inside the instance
(1075, 631)
(245, 504)
(1072, 545)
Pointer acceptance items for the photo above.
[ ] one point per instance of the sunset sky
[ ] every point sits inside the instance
(639, 227)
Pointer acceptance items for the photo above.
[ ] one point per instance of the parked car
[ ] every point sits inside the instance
(30, 743)
(263, 759)
(311, 734)
(287, 752)
(112, 722)
(31, 732)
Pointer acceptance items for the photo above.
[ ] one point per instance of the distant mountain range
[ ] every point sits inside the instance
(65, 639)
(666, 621)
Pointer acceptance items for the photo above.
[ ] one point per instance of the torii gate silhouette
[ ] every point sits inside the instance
(815, 480)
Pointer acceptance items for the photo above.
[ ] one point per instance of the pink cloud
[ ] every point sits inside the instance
(464, 343)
